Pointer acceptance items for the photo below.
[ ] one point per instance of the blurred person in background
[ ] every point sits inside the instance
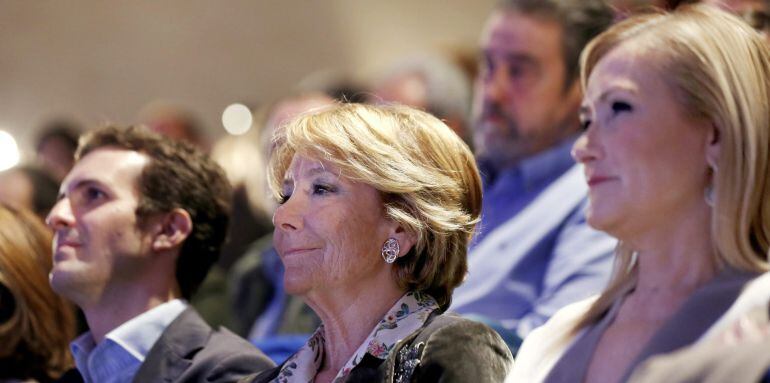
(139, 223)
(377, 205)
(533, 252)
(55, 147)
(36, 325)
(754, 12)
(262, 312)
(676, 151)
(29, 187)
(175, 122)
(625, 8)
(429, 82)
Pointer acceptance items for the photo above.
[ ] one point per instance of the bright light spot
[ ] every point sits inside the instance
(9, 151)
(237, 119)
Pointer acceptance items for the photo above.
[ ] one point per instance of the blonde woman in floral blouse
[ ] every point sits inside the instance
(377, 207)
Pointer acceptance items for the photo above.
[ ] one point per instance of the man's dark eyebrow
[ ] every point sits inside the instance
(81, 183)
(511, 57)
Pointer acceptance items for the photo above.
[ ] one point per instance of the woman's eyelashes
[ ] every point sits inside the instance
(316, 189)
(620, 106)
(321, 188)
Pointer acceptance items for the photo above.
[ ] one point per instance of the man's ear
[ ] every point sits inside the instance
(713, 146)
(174, 228)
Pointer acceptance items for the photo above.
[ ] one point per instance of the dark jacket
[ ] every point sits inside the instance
(447, 348)
(189, 350)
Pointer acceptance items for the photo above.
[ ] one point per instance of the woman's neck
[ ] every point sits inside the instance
(678, 256)
(349, 314)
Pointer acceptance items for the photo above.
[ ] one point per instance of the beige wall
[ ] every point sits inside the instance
(104, 60)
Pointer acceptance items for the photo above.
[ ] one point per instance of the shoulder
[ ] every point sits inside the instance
(455, 349)
(755, 292)
(711, 362)
(230, 354)
(545, 345)
(212, 355)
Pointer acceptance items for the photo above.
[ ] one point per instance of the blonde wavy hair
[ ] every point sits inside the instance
(37, 330)
(719, 68)
(425, 173)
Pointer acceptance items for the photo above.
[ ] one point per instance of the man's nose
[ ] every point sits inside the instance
(495, 85)
(60, 215)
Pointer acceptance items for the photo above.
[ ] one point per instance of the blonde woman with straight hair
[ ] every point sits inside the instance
(36, 325)
(675, 149)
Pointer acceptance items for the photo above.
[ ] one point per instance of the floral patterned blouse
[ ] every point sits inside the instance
(406, 316)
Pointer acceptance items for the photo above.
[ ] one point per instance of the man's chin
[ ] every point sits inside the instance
(65, 280)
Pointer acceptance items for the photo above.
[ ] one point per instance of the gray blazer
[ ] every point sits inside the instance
(191, 351)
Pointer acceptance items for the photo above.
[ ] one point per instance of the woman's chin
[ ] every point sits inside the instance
(601, 220)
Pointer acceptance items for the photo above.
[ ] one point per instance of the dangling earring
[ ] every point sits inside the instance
(390, 250)
(708, 193)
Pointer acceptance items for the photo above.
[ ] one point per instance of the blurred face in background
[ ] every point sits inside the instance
(522, 104)
(16, 189)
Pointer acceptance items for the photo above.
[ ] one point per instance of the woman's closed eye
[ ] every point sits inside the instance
(323, 189)
(620, 106)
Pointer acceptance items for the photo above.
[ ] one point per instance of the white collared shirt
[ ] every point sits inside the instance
(117, 358)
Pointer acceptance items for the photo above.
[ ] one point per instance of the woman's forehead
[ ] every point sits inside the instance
(303, 166)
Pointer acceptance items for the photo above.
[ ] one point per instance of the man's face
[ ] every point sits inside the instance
(97, 240)
(521, 103)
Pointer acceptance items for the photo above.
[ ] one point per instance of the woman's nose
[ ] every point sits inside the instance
(585, 149)
(288, 215)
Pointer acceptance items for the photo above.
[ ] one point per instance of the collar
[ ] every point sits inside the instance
(140, 333)
(537, 169)
(406, 316)
(134, 338)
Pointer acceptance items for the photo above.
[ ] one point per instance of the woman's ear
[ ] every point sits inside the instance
(174, 228)
(406, 239)
(713, 145)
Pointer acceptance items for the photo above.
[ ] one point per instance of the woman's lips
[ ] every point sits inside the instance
(297, 251)
(596, 180)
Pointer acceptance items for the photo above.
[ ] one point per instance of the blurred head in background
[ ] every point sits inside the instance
(429, 82)
(55, 147)
(29, 187)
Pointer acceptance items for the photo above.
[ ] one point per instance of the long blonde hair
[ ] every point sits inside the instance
(719, 68)
(36, 334)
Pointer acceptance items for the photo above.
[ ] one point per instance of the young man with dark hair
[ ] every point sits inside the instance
(139, 222)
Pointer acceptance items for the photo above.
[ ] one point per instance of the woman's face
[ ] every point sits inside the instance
(644, 156)
(329, 230)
